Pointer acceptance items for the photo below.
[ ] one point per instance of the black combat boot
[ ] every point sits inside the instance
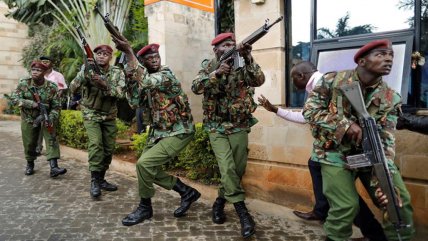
(95, 184)
(29, 170)
(247, 222)
(188, 196)
(104, 185)
(144, 211)
(218, 210)
(55, 170)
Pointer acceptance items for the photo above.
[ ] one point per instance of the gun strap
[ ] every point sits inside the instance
(338, 79)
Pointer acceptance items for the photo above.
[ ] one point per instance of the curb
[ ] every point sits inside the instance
(8, 117)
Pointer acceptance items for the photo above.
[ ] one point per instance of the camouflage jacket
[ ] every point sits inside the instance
(160, 93)
(330, 115)
(228, 102)
(99, 105)
(24, 98)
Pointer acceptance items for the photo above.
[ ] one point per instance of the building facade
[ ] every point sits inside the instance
(13, 36)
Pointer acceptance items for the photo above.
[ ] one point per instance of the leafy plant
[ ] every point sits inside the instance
(197, 160)
(139, 142)
(71, 130)
(122, 129)
(11, 109)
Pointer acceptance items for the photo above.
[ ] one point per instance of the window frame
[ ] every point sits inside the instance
(355, 42)
(416, 41)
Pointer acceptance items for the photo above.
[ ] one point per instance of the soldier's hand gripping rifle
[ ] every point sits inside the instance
(373, 154)
(233, 54)
(113, 30)
(43, 118)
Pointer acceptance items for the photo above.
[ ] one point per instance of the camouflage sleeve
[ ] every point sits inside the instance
(133, 84)
(201, 81)
(117, 89)
(78, 81)
(205, 79)
(55, 104)
(387, 130)
(132, 95)
(17, 97)
(321, 114)
(254, 75)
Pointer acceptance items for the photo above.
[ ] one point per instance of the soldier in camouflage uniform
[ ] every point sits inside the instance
(25, 97)
(337, 134)
(98, 105)
(155, 88)
(228, 106)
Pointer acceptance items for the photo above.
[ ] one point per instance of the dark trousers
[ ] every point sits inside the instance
(365, 219)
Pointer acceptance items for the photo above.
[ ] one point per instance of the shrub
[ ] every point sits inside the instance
(122, 129)
(139, 142)
(72, 132)
(197, 159)
(11, 109)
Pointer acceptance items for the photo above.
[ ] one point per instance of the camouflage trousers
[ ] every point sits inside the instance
(101, 142)
(149, 165)
(340, 190)
(231, 152)
(30, 136)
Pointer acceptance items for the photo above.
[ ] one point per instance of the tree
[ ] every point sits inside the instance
(410, 4)
(30, 12)
(225, 16)
(69, 13)
(342, 29)
(53, 32)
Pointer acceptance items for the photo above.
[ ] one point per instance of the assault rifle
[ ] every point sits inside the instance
(373, 154)
(43, 118)
(88, 52)
(113, 30)
(151, 119)
(238, 61)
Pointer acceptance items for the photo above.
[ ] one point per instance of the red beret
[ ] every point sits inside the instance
(221, 37)
(148, 49)
(39, 64)
(376, 44)
(104, 47)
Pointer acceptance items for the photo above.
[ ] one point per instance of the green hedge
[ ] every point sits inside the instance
(197, 160)
(71, 130)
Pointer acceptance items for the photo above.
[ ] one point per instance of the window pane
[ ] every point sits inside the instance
(300, 38)
(353, 17)
(424, 52)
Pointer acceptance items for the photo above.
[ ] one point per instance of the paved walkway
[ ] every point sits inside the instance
(38, 207)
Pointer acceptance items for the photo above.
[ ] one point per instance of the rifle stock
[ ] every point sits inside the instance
(43, 117)
(373, 153)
